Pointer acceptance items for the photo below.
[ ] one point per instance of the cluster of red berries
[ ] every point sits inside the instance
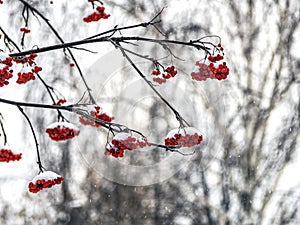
(213, 69)
(124, 141)
(60, 102)
(27, 73)
(5, 70)
(97, 114)
(6, 59)
(1, 2)
(202, 72)
(5, 74)
(26, 59)
(162, 77)
(216, 58)
(37, 69)
(96, 15)
(183, 137)
(25, 30)
(61, 131)
(46, 179)
(7, 155)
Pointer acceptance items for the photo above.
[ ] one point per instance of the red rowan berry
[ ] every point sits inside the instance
(155, 72)
(25, 30)
(60, 102)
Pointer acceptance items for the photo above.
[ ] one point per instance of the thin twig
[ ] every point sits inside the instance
(35, 139)
(3, 130)
(180, 119)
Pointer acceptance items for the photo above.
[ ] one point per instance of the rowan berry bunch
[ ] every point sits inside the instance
(28, 59)
(161, 78)
(124, 141)
(97, 113)
(213, 67)
(96, 15)
(6, 59)
(7, 155)
(5, 69)
(61, 131)
(27, 73)
(46, 179)
(183, 137)
(5, 74)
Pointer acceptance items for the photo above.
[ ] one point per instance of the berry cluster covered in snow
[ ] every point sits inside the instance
(124, 141)
(97, 113)
(61, 131)
(7, 155)
(161, 78)
(46, 179)
(213, 68)
(183, 137)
